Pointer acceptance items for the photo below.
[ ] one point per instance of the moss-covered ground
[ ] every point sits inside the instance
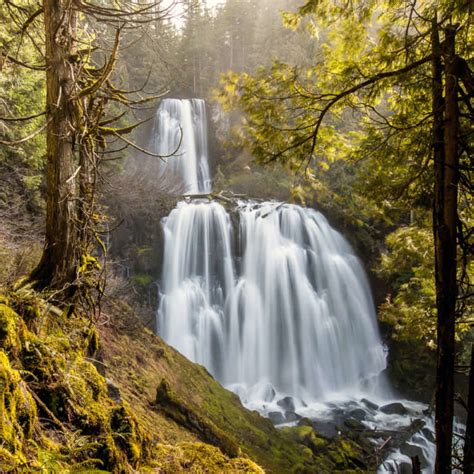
(182, 402)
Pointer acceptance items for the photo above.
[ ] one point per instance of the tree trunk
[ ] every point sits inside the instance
(57, 268)
(445, 136)
(468, 460)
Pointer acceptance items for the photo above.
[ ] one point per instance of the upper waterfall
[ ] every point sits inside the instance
(180, 136)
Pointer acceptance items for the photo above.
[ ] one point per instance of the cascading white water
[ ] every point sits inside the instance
(180, 135)
(199, 276)
(302, 287)
(296, 315)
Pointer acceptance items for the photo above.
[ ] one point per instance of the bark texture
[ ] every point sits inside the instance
(58, 265)
(445, 135)
(468, 460)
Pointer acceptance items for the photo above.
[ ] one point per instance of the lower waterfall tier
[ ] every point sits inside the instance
(280, 306)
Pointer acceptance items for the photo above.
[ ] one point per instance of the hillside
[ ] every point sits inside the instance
(118, 399)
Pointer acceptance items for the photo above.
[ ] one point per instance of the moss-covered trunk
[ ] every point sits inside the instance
(57, 267)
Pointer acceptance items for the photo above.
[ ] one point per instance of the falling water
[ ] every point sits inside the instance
(180, 136)
(290, 311)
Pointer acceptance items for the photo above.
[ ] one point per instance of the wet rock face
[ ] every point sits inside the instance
(276, 417)
(358, 414)
(412, 450)
(269, 393)
(369, 404)
(287, 403)
(354, 424)
(429, 435)
(291, 416)
(405, 468)
(396, 408)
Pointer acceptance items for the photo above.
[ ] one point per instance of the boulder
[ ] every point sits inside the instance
(358, 414)
(412, 450)
(429, 435)
(354, 424)
(369, 404)
(287, 403)
(395, 408)
(292, 416)
(305, 422)
(276, 417)
(405, 468)
(269, 393)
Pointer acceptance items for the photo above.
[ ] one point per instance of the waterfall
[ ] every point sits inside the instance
(273, 302)
(180, 136)
(286, 310)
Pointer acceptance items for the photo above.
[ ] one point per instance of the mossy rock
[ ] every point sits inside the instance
(168, 401)
(70, 393)
(9, 322)
(307, 436)
(27, 304)
(10, 462)
(128, 436)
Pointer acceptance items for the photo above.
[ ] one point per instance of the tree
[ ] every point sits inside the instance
(83, 121)
(384, 84)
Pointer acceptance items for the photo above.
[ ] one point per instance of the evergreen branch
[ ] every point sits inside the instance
(362, 85)
(25, 139)
(147, 152)
(22, 119)
(107, 69)
(23, 64)
(122, 131)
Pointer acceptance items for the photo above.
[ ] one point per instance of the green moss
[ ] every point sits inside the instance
(17, 411)
(144, 250)
(86, 394)
(8, 327)
(8, 461)
(143, 279)
(200, 458)
(92, 341)
(39, 360)
(168, 401)
(27, 304)
(337, 457)
(127, 435)
(87, 429)
(31, 312)
(308, 437)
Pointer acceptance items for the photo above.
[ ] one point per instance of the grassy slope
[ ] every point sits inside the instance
(187, 392)
(57, 413)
